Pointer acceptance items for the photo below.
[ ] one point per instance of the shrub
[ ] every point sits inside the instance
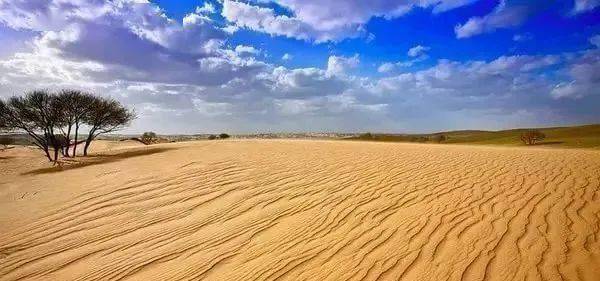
(223, 136)
(439, 138)
(149, 137)
(366, 136)
(212, 137)
(530, 137)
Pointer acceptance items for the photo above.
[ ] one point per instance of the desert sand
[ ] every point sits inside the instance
(302, 210)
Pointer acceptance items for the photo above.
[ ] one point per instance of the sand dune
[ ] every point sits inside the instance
(304, 210)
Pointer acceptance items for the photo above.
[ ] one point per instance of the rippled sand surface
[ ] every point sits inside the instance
(303, 210)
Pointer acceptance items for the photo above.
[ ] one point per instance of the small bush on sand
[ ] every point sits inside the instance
(440, 138)
(212, 137)
(223, 136)
(530, 137)
(149, 137)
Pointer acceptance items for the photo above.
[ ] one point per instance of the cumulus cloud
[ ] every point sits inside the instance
(322, 21)
(175, 72)
(339, 65)
(583, 78)
(256, 18)
(503, 16)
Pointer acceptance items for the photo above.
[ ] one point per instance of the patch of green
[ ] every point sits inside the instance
(587, 136)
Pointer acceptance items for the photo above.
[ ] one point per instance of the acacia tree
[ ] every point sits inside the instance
(37, 113)
(105, 116)
(75, 105)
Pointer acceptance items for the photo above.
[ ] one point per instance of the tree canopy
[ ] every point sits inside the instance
(50, 118)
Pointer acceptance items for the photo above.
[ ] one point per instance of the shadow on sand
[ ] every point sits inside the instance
(97, 160)
(549, 143)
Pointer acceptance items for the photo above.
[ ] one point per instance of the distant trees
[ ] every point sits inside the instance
(212, 137)
(223, 136)
(51, 118)
(530, 137)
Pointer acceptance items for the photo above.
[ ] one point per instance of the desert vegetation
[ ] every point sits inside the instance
(585, 136)
(531, 137)
(53, 120)
(149, 137)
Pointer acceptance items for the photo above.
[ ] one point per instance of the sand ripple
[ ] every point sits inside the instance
(310, 210)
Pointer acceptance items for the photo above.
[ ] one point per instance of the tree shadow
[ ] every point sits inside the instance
(550, 143)
(98, 159)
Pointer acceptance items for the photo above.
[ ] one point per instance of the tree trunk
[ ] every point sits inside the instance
(55, 153)
(87, 145)
(68, 139)
(88, 141)
(47, 152)
(75, 145)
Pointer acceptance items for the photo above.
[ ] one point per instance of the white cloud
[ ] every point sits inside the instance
(321, 21)
(338, 65)
(583, 78)
(186, 70)
(418, 51)
(287, 56)
(503, 16)
(243, 49)
(386, 67)
(208, 8)
(261, 19)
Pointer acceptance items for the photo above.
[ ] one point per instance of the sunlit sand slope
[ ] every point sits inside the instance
(308, 210)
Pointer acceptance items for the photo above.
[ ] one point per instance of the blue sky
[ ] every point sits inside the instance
(309, 65)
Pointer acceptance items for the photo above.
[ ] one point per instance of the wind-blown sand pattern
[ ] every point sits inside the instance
(307, 210)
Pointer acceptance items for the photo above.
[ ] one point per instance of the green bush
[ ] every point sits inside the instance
(149, 137)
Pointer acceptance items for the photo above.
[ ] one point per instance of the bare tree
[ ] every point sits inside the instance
(530, 137)
(105, 116)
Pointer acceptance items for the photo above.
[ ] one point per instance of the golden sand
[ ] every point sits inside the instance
(302, 210)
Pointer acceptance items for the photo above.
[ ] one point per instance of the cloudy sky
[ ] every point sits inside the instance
(311, 65)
